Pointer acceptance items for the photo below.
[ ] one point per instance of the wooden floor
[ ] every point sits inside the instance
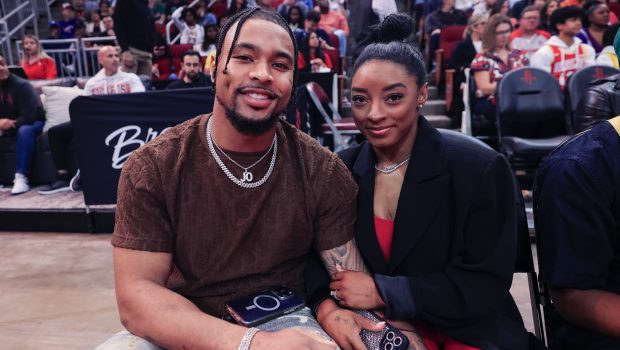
(33, 200)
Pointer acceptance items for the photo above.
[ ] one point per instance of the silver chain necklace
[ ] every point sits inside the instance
(388, 169)
(247, 176)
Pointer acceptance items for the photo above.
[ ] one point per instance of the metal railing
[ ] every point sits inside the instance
(74, 57)
(15, 21)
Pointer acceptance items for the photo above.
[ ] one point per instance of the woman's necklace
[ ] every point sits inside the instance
(388, 169)
(247, 177)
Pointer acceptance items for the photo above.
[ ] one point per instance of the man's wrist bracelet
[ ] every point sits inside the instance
(247, 338)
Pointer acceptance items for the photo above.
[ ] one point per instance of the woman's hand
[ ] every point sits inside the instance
(344, 326)
(356, 290)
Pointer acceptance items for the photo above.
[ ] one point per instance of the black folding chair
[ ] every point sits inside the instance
(531, 120)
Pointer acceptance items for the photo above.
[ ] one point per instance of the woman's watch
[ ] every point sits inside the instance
(479, 93)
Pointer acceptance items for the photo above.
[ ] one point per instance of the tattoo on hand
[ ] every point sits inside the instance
(346, 255)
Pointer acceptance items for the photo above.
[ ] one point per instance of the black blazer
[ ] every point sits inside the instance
(454, 246)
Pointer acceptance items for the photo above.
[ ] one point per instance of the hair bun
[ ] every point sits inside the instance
(395, 27)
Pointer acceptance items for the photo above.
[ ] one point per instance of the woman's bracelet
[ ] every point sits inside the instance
(247, 338)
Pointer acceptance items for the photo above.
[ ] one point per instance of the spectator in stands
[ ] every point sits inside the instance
(36, 63)
(311, 25)
(528, 38)
(502, 7)
(191, 32)
(311, 58)
(208, 44)
(21, 121)
(68, 23)
(127, 63)
(108, 30)
(564, 53)
(91, 5)
(54, 30)
(105, 9)
(205, 17)
(265, 4)
(449, 271)
(237, 6)
(94, 24)
(495, 60)
(444, 16)
(461, 58)
(545, 16)
(517, 9)
(285, 7)
(602, 99)
(576, 3)
(596, 21)
(80, 8)
(135, 32)
(191, 73)
(158, 10)
(607, 56)
(224, 250)
(577, 218)
(109, 80)
(334, 22)
(295, 18)
(484, 7)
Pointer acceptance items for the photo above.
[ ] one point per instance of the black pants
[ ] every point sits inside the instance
(60, 138)
(566, 336)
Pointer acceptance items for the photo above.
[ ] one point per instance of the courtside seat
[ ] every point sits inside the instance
(531, 118)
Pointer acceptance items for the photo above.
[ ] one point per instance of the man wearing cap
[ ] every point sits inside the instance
(602, 99)
(68, 23)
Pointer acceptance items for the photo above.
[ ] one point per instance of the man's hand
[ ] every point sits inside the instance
(356, 290)
(6, 124)
(291, 338)
(344, 325)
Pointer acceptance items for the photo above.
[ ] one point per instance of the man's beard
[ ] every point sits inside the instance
(245, 125)
(193, 76)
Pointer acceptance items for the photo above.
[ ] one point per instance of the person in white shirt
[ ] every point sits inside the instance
(191, 31)
(109, 80)
(528, 38)
(564, 53)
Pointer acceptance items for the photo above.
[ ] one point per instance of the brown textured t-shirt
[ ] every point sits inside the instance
(229, 241)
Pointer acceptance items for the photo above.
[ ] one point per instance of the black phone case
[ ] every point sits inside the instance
(264, 306)
(390, 338)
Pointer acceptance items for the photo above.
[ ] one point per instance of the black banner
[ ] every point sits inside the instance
(108, 128)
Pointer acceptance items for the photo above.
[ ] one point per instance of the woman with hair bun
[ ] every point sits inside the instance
(436, 218)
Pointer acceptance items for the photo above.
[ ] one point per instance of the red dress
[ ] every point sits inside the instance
(433, 340)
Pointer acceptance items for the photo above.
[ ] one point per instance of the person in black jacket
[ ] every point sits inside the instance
(444, 16)
(21, 120)
(600, 102)
(436, 219)
(602, 99)
(134, 25)
(461, 58)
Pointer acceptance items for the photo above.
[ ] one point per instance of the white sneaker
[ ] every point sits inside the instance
(20, 184)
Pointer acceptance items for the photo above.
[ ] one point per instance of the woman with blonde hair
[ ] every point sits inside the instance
(495, 60)
(35, 62)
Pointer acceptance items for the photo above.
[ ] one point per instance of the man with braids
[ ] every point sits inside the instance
(229, 204)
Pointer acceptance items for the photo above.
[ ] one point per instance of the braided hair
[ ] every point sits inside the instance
(241, 18)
